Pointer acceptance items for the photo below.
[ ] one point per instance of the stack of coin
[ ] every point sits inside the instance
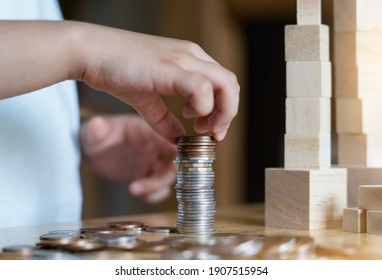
(195, 184)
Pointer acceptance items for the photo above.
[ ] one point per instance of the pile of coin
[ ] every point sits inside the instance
(195, 184)
(133, 239)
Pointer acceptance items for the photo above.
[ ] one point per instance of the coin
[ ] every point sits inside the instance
(20, 249)
(57, 239)
(124, 225)
(83, 245)
(161, 229)
(105, 230)
(65, 231)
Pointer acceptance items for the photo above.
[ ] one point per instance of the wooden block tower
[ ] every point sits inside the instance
(358, 91)
(307, 193)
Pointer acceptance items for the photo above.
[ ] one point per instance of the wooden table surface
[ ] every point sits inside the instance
(234, 219)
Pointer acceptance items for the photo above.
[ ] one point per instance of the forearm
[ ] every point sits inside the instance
(36, 54)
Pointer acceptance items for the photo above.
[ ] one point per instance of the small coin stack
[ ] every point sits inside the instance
(195, 184)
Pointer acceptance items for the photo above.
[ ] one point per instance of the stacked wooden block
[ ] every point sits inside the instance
(358, 80)
(358, 90)
(307, 138)
(307, 194)
(367, 218)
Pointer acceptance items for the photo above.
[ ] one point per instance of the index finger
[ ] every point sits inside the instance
(226, 97)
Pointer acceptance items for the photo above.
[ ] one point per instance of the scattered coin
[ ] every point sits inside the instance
(127, 225)
(161, 229)
(83, 245)
(104, 230)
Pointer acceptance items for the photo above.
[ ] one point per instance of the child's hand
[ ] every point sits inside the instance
(138, 68)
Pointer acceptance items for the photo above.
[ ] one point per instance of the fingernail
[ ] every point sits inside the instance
(137, 189)
(201, 130)
(220, 134)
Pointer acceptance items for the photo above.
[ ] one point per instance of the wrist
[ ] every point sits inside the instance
(77, 42)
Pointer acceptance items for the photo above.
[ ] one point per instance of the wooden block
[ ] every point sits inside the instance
(374, 222)
(303, 152)
(307, 116)
(308, 12)
(358, 116)
(358, 81)
(354, 220)
(360, 149)
(306, 43)
(354, 48)
(345, 81)
(349, 117)
(309, 79)
(304, 199)
(370, 197)
(356, 15)
(361, 176)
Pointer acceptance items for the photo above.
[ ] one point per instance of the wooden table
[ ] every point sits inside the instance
(234, 219)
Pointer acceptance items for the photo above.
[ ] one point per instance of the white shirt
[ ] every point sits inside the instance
(39, 150)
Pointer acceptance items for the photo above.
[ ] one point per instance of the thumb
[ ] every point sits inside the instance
(95, 135)
(160, 119)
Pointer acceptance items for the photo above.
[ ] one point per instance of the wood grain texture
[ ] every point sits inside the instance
(360, 149)
(306, 43)
(307, 151)
(304, 199)
(308, 12)
(356, 15)
(370, 197)
(308, 116)
(309, 79)
(354, 220)
(374, 222)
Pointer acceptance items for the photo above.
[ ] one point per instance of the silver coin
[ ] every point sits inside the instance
(195, 225)
(161, 229)
(115, 240)
(197, 175)
(196, 195)
(58, 235)
(195, 218)
(195, 165)
(191, 206)
(195, 228)
(195, 169)
(189, 160)
(197, 192)
(193, 186)
(201, 196)
(195, 209)
(65, 231)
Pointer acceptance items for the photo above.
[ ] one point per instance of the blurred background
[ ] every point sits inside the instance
(245, 36)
